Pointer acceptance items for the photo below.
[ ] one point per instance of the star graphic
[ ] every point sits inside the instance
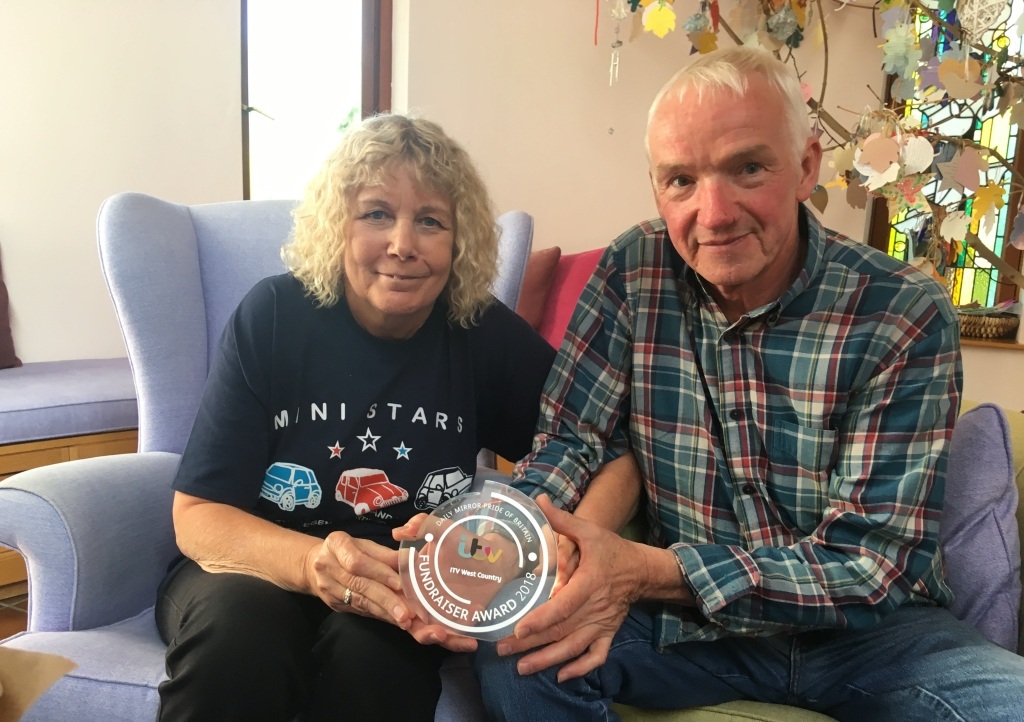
(403, 451)
(336, 450)
(369, 440)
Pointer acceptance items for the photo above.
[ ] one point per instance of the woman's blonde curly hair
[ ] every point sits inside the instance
(364, 158)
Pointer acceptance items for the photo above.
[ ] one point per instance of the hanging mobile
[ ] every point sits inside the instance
(619, 13)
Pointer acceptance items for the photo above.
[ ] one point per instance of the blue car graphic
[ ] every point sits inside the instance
(289, 484)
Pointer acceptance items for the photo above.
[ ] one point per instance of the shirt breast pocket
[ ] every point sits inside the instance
(801, 460)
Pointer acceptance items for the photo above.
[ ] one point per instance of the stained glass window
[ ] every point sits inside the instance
(969, 277)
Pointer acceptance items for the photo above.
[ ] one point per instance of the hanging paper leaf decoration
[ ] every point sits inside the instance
(947, 170)
(929, 73)
(1010, 97)
(1017, 234)
(876, 154)
(960, 78)
(897, 15)
(970, 168)
(819, 199)
(878, 180)
(917, 154)
(954, 226)
(987, 199)
(842, 158)
(698, 22)
(1017, 114)
(659, 19)
(900, 53)
(782, 24)
(856, 196)
(705, 41)
(909, 195)
(716, 15)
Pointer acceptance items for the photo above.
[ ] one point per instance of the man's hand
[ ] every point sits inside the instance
(578, 624)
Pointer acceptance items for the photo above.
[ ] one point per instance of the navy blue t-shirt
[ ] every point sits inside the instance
(309, 421)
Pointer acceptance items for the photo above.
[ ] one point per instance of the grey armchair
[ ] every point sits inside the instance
(97, 533)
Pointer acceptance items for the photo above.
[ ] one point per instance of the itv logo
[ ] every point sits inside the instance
(477, 551)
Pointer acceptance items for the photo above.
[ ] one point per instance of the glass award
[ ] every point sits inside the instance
(481, 561)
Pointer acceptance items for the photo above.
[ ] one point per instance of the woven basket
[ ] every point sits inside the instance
(999, 326)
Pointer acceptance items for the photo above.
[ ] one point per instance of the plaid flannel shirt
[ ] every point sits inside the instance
(806, 492)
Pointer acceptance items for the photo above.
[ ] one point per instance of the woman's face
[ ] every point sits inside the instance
(398, 256)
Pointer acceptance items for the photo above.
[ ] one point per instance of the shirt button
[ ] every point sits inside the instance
(748, 489)
(736, 414)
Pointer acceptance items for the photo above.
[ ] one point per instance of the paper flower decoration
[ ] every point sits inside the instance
(783, 24)
(988, 199)
(901, 53)
(696, 23)
(704, 41)
(659, 18)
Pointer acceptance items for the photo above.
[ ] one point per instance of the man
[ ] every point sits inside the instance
(789, 396)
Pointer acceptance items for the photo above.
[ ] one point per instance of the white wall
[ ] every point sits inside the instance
(526, 91)
(101, 97)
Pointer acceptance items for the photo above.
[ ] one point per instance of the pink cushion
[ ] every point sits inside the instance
(540, 269)
(571, 275)
(7, 357)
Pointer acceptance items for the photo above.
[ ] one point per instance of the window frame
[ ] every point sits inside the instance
(376, 70)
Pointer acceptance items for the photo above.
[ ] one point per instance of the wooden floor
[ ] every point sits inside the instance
(13, 615)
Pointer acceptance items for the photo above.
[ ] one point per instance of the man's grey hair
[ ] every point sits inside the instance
(729, 69)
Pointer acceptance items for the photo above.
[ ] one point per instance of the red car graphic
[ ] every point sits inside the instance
(367, 490)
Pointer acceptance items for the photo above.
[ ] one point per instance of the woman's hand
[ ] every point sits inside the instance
(367, 574)
(360, 571)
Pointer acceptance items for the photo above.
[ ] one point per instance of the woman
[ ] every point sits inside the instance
(378, 366)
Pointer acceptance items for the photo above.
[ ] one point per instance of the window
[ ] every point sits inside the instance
(309, 69)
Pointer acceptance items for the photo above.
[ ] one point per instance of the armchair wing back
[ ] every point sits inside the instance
(175, 274)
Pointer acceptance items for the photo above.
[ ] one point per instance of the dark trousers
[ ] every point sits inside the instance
(240, 648)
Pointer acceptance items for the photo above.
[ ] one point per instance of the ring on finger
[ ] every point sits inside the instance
(348, 597)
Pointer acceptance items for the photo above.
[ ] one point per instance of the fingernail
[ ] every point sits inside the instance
(522, 632)
(524, 668)
(398, 612)
(502, 649)
(434, 637)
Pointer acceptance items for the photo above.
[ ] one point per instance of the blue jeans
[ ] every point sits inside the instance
(919, 663)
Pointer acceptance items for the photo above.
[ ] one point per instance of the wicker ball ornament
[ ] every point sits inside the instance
(977, 16)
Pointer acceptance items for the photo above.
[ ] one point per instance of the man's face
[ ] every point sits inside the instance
(727, 183)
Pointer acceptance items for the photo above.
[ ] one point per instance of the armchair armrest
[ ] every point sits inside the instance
(96, 534)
